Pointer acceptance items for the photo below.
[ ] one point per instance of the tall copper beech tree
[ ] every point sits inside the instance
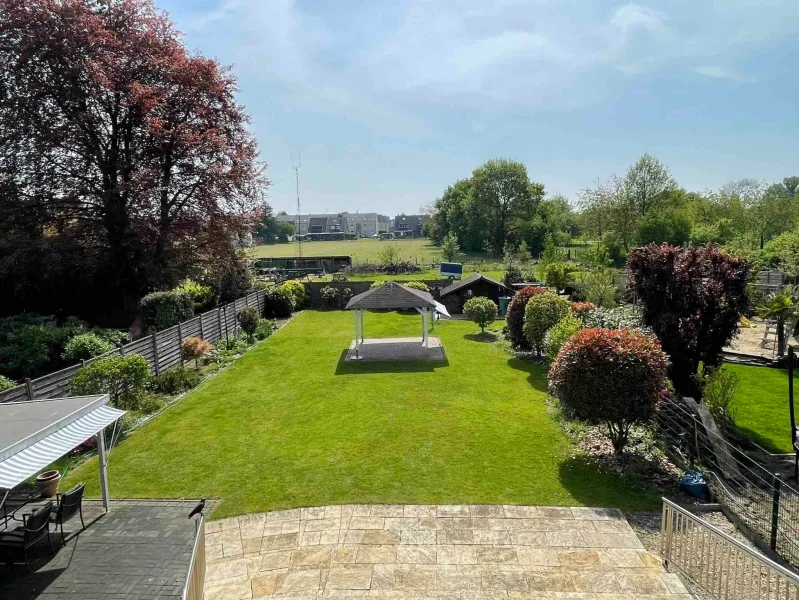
(125, 161)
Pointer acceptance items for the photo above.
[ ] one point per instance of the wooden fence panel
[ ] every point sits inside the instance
(211, 325)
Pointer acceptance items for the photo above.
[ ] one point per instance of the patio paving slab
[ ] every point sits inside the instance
(456, 552)
(139, 550)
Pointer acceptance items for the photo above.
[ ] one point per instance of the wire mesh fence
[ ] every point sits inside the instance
(764, 504)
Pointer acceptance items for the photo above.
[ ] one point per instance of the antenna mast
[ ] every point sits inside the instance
(296, 168)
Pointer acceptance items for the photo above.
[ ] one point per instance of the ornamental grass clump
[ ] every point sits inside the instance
(611, 377)
(542, 312)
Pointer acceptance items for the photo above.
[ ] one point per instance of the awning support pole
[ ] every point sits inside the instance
(363, 328)
(100, 437)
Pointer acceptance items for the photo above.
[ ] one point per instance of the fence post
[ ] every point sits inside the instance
(227, 337)
(180, 343)
(696, 439)
(775, 510)
(155, 353)
(202, 333)
(29, 387)
(121, 349)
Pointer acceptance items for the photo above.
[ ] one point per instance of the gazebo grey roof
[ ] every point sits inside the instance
(391, 296)
(454, 287)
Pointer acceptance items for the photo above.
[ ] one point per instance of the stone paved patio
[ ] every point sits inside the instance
(464, 552)
(393, 349)
(140, 550)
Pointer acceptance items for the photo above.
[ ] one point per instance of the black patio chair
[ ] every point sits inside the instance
(14, 544)
(69, 504)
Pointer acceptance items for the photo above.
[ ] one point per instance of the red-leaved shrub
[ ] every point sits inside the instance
(514, 321)
(692, 299)
(580, 308)
(195, 348)
(610, 376)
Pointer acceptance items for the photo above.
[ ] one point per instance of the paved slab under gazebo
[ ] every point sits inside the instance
(395, 296)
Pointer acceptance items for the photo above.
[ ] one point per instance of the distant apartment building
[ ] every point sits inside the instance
(407, 226)
(359, 224)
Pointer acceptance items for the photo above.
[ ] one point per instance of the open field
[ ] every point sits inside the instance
(290, 425)
(761, 404)
(363, 250)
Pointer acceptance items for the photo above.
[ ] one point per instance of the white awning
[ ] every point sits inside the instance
(27, 462)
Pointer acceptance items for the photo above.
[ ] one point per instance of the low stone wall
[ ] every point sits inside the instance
(317, 301)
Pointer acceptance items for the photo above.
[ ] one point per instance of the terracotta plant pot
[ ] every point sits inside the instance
(48, 482)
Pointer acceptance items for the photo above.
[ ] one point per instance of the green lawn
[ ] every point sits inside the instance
(362, 250)
(761, 404)
(289, 425)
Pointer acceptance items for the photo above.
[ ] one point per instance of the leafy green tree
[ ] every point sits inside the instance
(664, 227)
(523, 253)
(647, 185)
(791, 183)
(388, 256)
(481, 310)
(449, 248)
(502, 194)
(124, 378)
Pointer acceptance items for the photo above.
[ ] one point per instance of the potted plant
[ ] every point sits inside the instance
(48, 483)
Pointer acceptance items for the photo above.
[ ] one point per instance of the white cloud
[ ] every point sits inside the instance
(472, 54)
(717, 72)
(634, 16)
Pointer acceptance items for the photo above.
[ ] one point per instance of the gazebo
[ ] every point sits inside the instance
(394, 296)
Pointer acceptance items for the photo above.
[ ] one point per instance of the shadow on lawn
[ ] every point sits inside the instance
(592, 486)
(765, 442)
(536, 374)
(489, 337)
(397, 366)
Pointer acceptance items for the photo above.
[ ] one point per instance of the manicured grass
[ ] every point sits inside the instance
(290, 425)
(362, 250)
(761, 404)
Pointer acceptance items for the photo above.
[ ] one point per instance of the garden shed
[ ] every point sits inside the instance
(454, 296)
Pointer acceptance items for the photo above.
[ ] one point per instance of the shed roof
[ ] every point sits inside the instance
(391, 296)
(454, 287)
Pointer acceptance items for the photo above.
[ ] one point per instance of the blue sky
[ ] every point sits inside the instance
(390, 101)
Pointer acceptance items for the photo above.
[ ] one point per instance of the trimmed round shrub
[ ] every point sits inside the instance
(278, 303)
(195, 348)
(85, 346)
(514, 320)
(124, 378)
(174, 381)
(330, 295)
(611, 377)
(481, 310)
(248, 318)
(297, 292)
(542, 312)
(266, 327)
(558, 334)
(160, 310)
(346, 294)
(417, 285)
(6, 383)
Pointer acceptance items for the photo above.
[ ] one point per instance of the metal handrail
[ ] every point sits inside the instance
(720, 565)
(195, 581)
